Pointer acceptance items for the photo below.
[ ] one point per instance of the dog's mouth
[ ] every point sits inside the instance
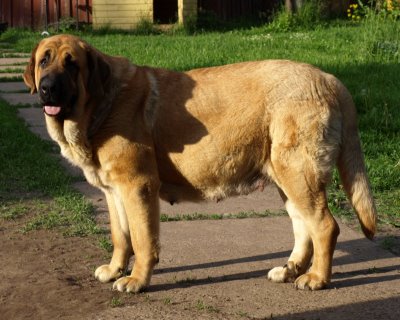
(52, 110)
(57, 95)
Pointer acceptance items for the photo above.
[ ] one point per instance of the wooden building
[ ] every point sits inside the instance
(40, 14)
(125, 14)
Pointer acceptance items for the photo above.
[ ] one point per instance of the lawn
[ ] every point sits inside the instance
(365, 56)
(33, 182)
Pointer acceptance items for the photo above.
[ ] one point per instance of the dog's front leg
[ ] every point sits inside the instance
(122, 247)
(141, 204)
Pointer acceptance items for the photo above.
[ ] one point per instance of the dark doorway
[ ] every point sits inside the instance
(165, 11)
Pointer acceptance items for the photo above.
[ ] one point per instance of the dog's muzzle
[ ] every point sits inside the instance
(55, 93)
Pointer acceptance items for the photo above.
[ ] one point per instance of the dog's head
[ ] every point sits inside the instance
(66, 72)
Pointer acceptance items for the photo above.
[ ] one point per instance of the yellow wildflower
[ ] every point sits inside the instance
(389, 5)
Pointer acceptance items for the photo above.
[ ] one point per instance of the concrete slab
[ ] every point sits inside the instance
(10, 76)
(19, 98)
(258, 202)
(11, 61)
(34, 118)
(13, 87)
(10, 53)
(12, 67)
(222, 266)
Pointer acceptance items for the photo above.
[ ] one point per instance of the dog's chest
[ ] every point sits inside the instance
(83, 160)
(95, 177)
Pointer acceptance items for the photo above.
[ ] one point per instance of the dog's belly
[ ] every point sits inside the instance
(194, 175)
(174, 193)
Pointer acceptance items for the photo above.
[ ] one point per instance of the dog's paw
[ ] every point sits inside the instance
(105, 273)
(310, 281)
(283, 274)
(129, 284)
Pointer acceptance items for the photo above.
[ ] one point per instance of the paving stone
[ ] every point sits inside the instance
(224, 264)
(34, 118)
(11, 61)
(20, 98)
(10, 75)
(10, 53)
(13, 86)
(10, 68)
(258, 202)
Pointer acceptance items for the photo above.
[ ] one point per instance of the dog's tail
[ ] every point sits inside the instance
(352, 169)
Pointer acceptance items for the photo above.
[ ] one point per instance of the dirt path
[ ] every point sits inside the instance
(208, 270)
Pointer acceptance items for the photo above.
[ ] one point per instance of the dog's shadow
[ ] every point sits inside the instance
(355, 277)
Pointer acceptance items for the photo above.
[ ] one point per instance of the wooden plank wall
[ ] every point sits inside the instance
(186, 10)
(32, 13)
(235, 9)
(121, 14)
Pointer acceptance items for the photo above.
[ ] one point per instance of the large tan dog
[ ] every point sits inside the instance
(141, 133)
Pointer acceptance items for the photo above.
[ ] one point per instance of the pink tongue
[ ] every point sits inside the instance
(52, 110)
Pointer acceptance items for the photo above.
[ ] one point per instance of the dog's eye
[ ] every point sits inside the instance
(43, 62)
(69, 62)
(68, 58)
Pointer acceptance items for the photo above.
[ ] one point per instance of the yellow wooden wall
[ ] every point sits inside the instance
(187, 9)
(121, 14)
(125, 14)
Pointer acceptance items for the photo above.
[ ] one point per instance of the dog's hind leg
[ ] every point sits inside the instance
(302, 158)
(312, 220)
(300, 257)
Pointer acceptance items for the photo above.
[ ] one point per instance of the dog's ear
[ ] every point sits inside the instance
(99, 72)
(29, 74)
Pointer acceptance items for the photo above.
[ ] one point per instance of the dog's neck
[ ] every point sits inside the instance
(103, 105)
(101, 112)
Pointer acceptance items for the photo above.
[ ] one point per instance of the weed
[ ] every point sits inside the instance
(146, 297)
(372, 270)
(201, 306)
(309, 16)
(186, 280)
(11, 211)
(215, 216)
(167, 301)
(106, 244)
(242, 314)
(116, 302)
(388, 243)
(145, 27)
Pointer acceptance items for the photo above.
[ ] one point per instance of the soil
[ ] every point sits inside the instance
(46, 275)
(208, 270)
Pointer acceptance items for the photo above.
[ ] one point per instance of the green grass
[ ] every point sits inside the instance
(14, 211)
(202, 306)
(12, 79)
(32, 181)
(116, 302)
(12, 70)
(364, 56)
(217, 216)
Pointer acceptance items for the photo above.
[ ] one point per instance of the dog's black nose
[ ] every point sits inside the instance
(47, 88)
